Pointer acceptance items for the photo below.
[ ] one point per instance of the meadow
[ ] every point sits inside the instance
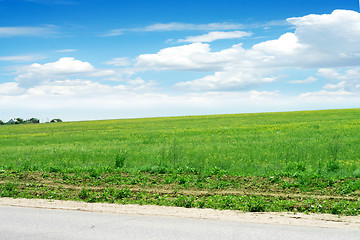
(242, 159)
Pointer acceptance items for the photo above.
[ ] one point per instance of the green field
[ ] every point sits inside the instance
(314, 152)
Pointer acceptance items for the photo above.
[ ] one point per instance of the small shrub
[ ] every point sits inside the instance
(183, 180)
(84, 194)
(256, 204)
(122, 193)
(9, 190)
(185, 201)
(158, 169)
(54, 169)
(119, 161)
(356, 173)
(95, 173)
(332, 165)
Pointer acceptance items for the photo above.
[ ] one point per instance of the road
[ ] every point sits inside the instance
(31, 223)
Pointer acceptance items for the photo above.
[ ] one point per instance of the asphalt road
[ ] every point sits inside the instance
(30, 223)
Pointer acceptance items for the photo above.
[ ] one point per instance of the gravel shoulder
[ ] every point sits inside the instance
(298, 219)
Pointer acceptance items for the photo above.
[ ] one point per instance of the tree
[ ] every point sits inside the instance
(19, 121)
(11, 121)
(56, 120)
(33, 120)
(1, 122)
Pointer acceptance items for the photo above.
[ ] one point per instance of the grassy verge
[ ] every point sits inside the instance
(190, 189)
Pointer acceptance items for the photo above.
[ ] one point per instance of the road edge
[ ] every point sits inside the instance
(282, 218)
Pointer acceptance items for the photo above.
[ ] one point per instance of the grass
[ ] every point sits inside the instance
(313, 155)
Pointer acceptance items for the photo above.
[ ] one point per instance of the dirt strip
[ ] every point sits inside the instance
(298, 219)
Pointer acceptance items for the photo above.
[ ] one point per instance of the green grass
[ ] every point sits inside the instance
(326, 142)
(185, 189)
(293, 161)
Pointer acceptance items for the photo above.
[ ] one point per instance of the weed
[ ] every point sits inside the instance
(9, 190)
(185, 201)
(120, 160)
(256, 204)
(122, 193)
(334, 147)
(85, 194)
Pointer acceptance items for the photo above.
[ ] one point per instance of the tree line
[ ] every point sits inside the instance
(27, 121)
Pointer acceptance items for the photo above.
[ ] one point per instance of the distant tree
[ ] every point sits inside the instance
(19, 121)
(33, 120)
(1, 122)
(56, 120)
(11, 121)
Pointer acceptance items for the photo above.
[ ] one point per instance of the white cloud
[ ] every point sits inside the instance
(328, 73)
(331, 40)
(66, 50)
(187, 57)
(349, 81)
(330, 96)
(113, 33)
(27, 31)
(102, 73)
(287, 44)
(119, 62)
(310, 79)
(331, 33)
(36, 73)
(81, 99)
(176, 26)
(212, 36)
(77, 88)
(329, 43)
(319, 41)
(227, 80)
(22, 58)
(192, 57)
(10, 89)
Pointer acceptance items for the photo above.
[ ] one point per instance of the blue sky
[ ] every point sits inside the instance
(99, 59)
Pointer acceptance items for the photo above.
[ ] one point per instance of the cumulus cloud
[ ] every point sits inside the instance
(192, 57)
(329, 43)
(76, 88)
(329, 33)
(349, 81)
(10, 89)
(212, 36)
(319, 41)
(227, 80)
(287, 44)
(36, 73)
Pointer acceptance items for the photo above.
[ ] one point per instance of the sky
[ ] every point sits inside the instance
(101, 59)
